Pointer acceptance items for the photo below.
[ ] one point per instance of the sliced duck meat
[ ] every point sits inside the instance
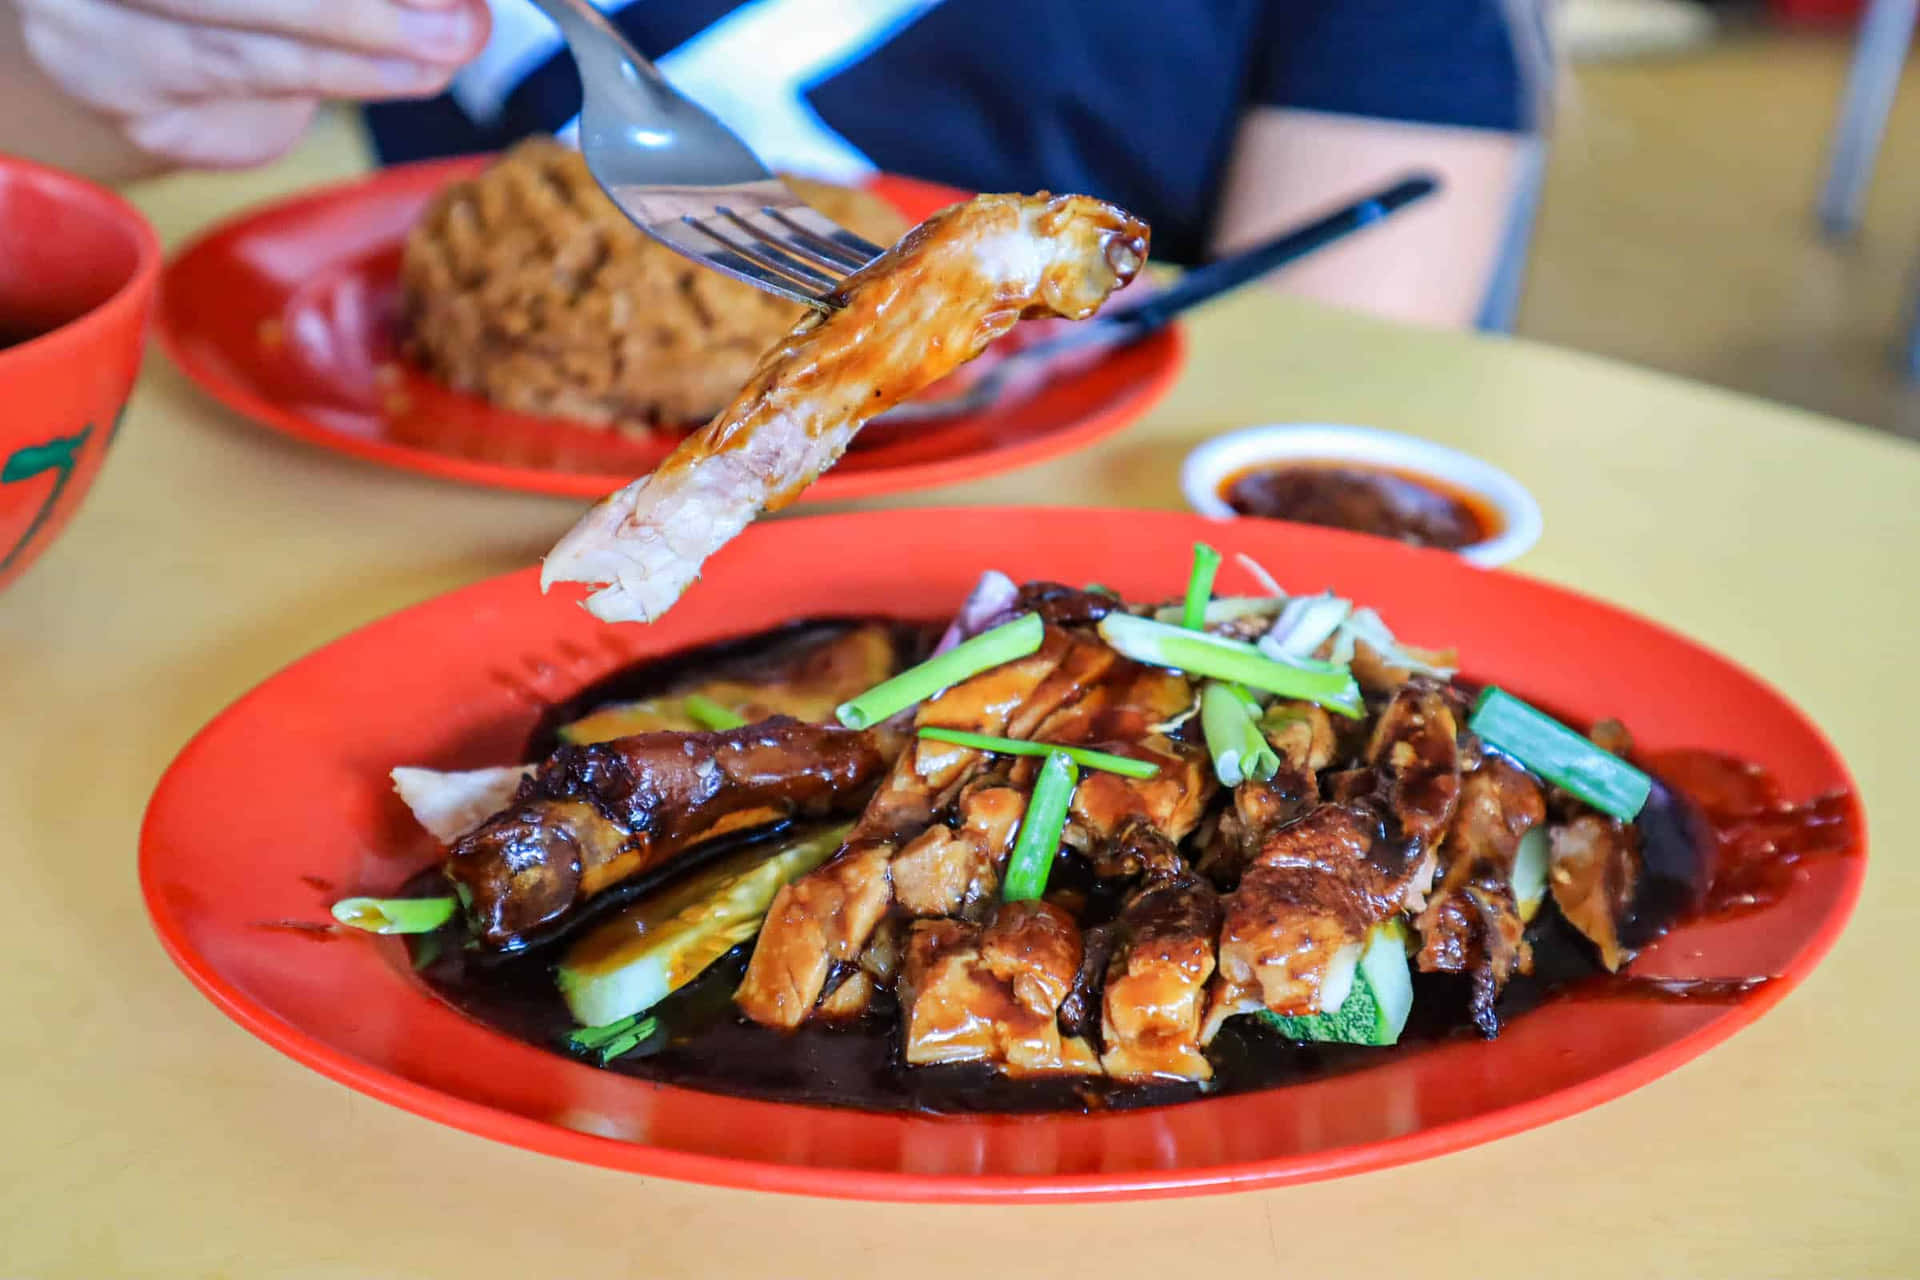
(594, 816)
(1593, 873)
(1156, 981)
(1472, 921)
(991, 993)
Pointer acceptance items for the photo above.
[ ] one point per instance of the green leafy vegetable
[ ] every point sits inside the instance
(615, 1039)
(1377, 1003)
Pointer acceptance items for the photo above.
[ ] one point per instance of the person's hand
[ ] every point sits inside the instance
(225, 83)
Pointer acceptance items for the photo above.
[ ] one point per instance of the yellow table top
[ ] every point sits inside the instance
(141, 1133)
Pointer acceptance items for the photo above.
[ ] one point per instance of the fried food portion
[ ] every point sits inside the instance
(913, 315)
(527, 285)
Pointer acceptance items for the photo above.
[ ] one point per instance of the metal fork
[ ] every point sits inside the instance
(686, 180)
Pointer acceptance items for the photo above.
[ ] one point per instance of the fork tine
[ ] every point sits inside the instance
(697, 242)
(731, 231)
(793, 234)
(818, 225)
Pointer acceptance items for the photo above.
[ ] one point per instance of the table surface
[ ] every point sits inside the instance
(145, 1134)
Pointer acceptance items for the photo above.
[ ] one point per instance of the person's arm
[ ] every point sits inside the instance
(1431, 264)
(117, 88)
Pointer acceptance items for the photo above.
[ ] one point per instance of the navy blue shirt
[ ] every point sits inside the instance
(1136, 101)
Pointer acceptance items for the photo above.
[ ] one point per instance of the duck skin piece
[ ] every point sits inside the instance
(1156, 979)
(1472, 921)
(825, 918)
(935, 838)
(593, 816)
(1594, 869)
(907, 319)
(1293, 928)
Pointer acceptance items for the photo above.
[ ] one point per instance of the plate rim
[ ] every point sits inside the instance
(1167, 350)
(498, 1124)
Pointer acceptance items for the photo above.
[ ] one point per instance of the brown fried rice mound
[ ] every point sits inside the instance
(525, 285)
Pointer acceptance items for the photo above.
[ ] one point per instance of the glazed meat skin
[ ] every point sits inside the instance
(910, 317)
(937, 833)
(595, 815)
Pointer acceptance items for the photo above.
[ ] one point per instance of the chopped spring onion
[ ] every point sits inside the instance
(1003, 643)
(1032, 858)
(1239, 751)
(1365, 624)
(1099, 589)
(1206, 563)
(1306, 623)
(1223, 610)
(708, 714)
(1106, 761)
(1559, 755)
(615, 1038)
(1260, 574)
(1199, 654)
(394, 915)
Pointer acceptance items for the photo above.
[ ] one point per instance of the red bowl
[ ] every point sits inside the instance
(78, 267)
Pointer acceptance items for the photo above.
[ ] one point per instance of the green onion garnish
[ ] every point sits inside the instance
(394, 915)
(1032, 858)
(615, 1038)
(1003, 643)
(1240, 753)
(1559, 755)
(1125, 766)
(708, 714)
(1200, 654)
(1206, 563)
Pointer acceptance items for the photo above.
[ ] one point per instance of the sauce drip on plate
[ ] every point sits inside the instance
(1342, 495)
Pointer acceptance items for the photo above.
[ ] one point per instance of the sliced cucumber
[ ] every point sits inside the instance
(666, 939)
(1377, 1004)
(1530, 871)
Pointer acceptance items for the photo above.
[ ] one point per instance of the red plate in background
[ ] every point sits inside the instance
(287, 792)
(289, 315)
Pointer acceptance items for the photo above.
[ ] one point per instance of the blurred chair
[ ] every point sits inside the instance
(1879, 57)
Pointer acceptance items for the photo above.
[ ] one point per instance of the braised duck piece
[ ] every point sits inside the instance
(944, 821)
(1472, 923)
(1594, 872)
(594, 816)
(1308, 895)
(1156, 978)
(913, 315)
(992, 993)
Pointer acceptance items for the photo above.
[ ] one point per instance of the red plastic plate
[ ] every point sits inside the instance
(282, 804)
(288, 314)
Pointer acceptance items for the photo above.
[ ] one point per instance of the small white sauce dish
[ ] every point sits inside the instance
(1212, 466)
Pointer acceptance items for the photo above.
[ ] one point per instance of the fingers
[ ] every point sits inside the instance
(223, 135)
(432, 31)
(156, 63)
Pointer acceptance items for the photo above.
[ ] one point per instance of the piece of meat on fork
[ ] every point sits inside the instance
(913, 315)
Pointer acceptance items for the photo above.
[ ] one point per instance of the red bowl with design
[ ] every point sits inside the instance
(78, 267)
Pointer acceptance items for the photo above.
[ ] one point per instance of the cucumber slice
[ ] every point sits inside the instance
(666, 939)
(1530, 871)
(1376, 1007)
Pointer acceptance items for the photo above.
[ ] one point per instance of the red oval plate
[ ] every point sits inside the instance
(288, 314)
(282, 804)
